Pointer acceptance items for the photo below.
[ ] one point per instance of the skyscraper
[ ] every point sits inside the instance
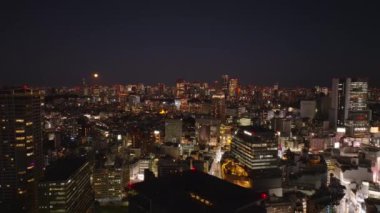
(219, 106)
(233, 87)
(21, 157)
(181, 87)
(224, 84)
(349, 104)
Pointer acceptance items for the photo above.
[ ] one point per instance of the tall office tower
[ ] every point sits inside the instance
(219, 106)
(255, 147)
(21, 158)
(225, 82)
(181, 87)
(349, 105)
(66, 187)
(173, 130)
(233, 87)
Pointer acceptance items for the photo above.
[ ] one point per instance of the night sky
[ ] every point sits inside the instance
(295, 43)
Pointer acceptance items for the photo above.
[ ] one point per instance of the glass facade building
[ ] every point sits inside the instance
(349, 105)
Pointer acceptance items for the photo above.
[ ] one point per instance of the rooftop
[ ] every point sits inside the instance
(197, 191)
(253, 133)
(62, 169)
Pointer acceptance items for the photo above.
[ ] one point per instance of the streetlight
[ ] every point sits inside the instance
(95, 75)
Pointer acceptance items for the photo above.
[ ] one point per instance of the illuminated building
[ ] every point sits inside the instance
(219, 106)
(275, 87)
(108, 184)
(225, 82)
(349, 105)
(233, 87)
(21, 158)
(107, 181)
(193, 191)
(134, 99)
(255, 147)
(66, 187)
(173, 130)
(207, 131)
(181, 87)
(136, 170)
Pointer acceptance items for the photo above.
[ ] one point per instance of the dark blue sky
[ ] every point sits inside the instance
(295, 43)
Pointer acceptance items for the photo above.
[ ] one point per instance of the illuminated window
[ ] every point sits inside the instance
(20, 131)
(20, 145)
(19, 120)
(20, 138)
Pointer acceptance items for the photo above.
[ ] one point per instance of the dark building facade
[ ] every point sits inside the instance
(66, 187)
(21, 158)
(193, 191)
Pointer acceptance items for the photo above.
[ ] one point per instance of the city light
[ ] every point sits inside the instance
(264, 196)
(139, 133)
(195, 106)
(247, 133)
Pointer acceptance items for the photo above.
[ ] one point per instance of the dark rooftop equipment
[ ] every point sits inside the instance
(193, 191)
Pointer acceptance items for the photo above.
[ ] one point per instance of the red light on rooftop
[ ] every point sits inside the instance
(130, 185)
(193, 169)
(25, 86)
(264, 196)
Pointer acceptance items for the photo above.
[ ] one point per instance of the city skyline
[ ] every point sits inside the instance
(293, 43)
(189, 106)
(91, 81)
